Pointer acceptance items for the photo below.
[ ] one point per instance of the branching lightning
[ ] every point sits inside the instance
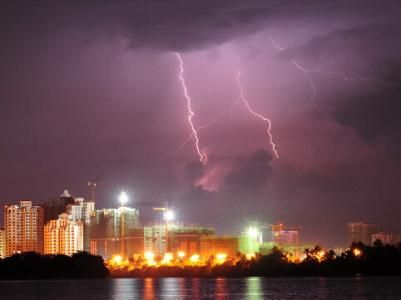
(269, 123)
(308, 72)
(211, 123)
(308, 76)
(194, 134)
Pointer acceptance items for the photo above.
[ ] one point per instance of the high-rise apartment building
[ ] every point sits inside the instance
(155, 238)
(54, 207)
(23, 228)
(361, 232)
(82, 210)
(116, 231)
(63, 236)
(2, 243)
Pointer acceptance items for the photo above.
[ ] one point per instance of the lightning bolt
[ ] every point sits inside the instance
(194, 134)
(308, 76)
(308, 72)
(211, 123)
(269, 123)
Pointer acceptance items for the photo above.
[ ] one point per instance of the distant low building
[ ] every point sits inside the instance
(187, 239)
(386, 238)
(361, 232)
(174, 237)
(63, 236)
(284, 236)
(23, 225)
(212, 245)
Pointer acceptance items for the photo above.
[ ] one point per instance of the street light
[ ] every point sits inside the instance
(253, 232)
(123, 198)
(169, 215)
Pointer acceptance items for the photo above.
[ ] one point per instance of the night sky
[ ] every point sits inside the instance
(91, 89)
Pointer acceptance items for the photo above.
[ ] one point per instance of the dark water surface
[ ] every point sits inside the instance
(221, 288)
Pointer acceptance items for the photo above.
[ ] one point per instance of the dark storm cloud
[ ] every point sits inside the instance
(368, 49)
(373, 115)
(194, 170)
(176, 24)
(165, 25)
(250, 173)
(371, 52)
(74, 104)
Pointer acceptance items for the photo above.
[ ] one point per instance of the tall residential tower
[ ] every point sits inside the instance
(23, 225)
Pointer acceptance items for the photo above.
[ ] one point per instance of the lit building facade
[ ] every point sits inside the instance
(63, 236)
(284, 236)
(155, 239)
(54, 207)
(174, 237)
(23, 225)
(116, 231)
(250, 241)
(211, 245)
(361, 232)
(187, 239)
(386, 238)
(2, 243)
(82, 210)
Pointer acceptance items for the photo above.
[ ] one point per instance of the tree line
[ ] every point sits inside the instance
(358, 259)
(31, 265)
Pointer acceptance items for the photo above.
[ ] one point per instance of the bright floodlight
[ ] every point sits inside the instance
(253, 232)
(169, 215)
(123, 198)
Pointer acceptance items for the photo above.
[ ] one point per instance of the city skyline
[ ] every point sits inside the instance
(247, 110)
(97, 227)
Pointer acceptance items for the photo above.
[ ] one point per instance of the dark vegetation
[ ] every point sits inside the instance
(31, 265)
(377, 260)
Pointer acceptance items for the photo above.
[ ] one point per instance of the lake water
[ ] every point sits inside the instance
(221, 288)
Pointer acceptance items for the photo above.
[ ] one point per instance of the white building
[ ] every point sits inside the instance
(23, 228)
(63, 236)
(81, 210)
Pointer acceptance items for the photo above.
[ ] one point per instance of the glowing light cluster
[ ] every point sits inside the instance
(150, 258)
(117, 259)
(169, 215)
(357, 252)
(123, 198)
(221, 258)
(167, 259)
(194, 259)
(253, 232)
(181, 254)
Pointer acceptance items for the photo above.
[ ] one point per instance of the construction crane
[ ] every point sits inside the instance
(92, 187)
(168, 214)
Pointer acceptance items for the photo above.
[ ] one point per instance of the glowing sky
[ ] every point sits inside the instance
(93, 89)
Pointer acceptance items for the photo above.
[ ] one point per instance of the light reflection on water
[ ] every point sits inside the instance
(254, 288)
(251, 288)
